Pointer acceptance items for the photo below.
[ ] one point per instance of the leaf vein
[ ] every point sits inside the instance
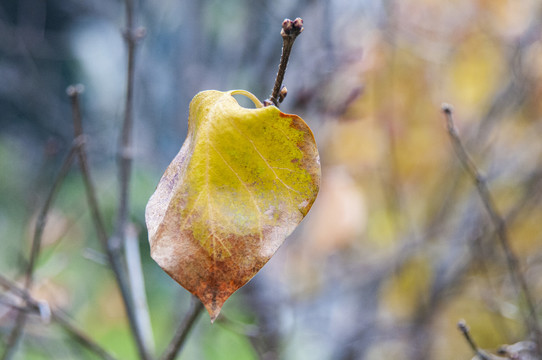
(252, 197)
(264, 159)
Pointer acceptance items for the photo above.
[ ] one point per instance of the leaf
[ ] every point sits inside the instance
(241, 183)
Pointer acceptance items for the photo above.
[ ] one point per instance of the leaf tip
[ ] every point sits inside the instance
(213, 313)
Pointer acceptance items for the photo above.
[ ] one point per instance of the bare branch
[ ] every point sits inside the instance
(58, 317)
(500, 226)
(125, 152)
(176, 344)
(125, 157)
(114, 260)
(290, 31)
(20, 320)
(137, 285)
(462, 326)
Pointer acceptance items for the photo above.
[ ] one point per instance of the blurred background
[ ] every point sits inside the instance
(398, 246)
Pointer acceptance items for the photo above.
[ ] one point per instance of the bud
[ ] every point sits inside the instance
(282, 94)
(267, 102)
(287, 26)
(292, 28)
(298, 25)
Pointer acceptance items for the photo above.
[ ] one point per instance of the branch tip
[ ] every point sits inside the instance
(290, 31)
(45, 311)
(462, 326)
(74, 90)
(292, 28)
(447, 108)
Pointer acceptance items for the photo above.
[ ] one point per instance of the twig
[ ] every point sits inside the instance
(125, 155)
(20, 320)
(137, 285)
(114, 260)
(80, 336)
(462, 326)
(58, 317)
(176, 344)
(511, 95)
(499, 223)
(11, 286)
(250, 331)
(42, 217)
(290, 31)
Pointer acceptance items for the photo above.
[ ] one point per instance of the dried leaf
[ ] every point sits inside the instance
(242, 181)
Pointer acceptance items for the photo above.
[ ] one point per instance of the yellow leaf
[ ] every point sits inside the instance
(242, 181)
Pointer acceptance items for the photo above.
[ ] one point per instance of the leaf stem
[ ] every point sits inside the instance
(253, 98)
(290, 31)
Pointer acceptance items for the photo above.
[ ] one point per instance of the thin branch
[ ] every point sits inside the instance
(114, 260)
(11, 286)
(125, 153)
(42, 217)
(176, 344)
(80, 336)
(125, 156)
(58, 317)
(499, 224)
(462, 326)
(137, 285)
(290, 31)
(20, 320)
(250, 331)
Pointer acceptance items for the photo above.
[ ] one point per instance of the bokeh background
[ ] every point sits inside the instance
(398, 246)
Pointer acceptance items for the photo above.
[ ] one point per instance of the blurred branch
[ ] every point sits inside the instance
(391, 177)
(20, 320)
(137, 284)
(251, 331)
(499, 223)
(42, 217)
(481, 257)
(125, 154)
(114, 260)
(176, 344)
(462, 326)
(509, 97)
(449, 276)
(290, 31)
(512, 94)
(125, 157)
(531, 196)
(57, 316)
